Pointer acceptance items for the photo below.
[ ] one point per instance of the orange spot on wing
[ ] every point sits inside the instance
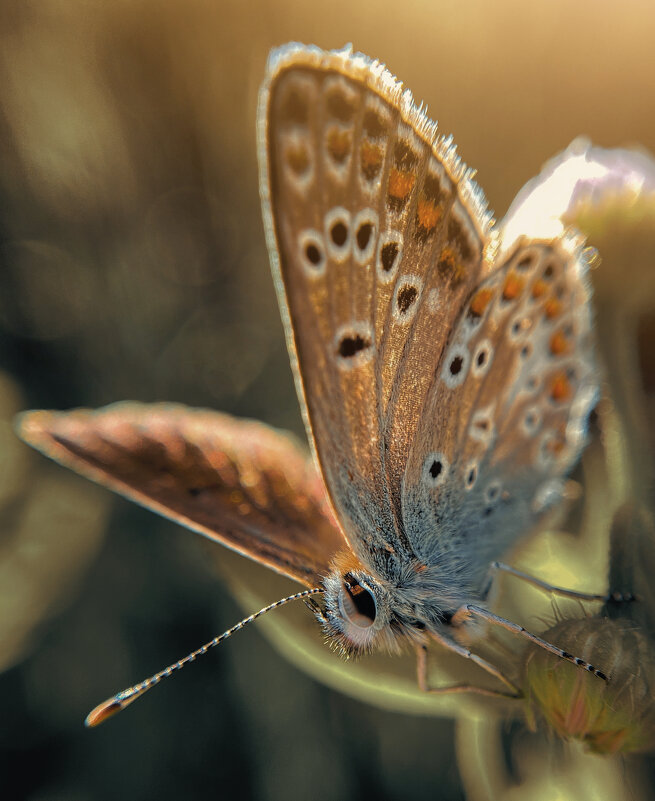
(560, 388)
(298, 159)
(371, 158)
(553, 308)
(428, 214)
(401, 183)
(559, 344)
(446, 261)
(450, 265)
(339, 144)
(460, 272)
(480, 301)
(513, 286)
(539, 289)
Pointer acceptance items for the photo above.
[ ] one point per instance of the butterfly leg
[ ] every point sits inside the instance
(424, 686)
(490, 617)
(455, 647)
(611, 597)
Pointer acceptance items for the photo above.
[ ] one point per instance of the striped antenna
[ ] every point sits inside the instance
(119, 701)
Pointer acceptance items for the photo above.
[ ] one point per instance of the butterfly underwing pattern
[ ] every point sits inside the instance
(445, 374)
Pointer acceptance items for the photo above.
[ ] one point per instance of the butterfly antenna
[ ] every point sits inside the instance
(119, 701)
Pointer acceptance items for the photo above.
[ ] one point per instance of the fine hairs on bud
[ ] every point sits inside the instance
(617, 716)
(119, 701)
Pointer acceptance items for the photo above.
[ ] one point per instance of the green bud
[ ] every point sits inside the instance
(611, 716)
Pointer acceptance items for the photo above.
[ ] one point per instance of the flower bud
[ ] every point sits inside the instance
(611, 716)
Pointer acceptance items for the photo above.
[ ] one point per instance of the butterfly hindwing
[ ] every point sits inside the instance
(517, 406)
(238, 482)
(377, 236)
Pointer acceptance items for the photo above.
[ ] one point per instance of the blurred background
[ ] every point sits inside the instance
(133, 265)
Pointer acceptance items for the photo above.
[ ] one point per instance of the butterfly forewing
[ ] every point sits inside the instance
(241, 483)
(378, 235)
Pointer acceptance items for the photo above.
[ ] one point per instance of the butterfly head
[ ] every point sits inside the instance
(356, 616)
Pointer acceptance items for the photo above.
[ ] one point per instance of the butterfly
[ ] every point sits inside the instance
(445, 371)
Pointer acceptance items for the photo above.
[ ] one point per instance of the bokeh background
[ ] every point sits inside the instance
(133, 265)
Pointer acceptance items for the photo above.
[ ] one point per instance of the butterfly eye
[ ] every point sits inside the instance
(357, 604)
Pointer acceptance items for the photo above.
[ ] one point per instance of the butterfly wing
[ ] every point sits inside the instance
(506, 418)
(238, 482)
(377, 236)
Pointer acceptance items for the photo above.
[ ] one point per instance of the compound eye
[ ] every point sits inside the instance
(357, 604)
